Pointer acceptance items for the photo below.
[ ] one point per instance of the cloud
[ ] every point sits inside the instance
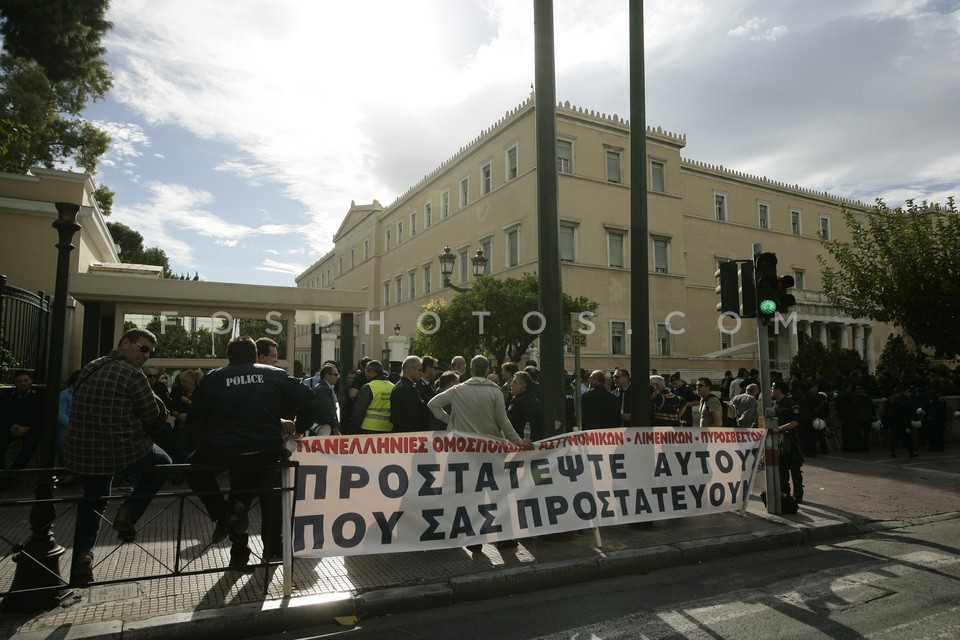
(324, 103)
(281, 267)
(125, 140)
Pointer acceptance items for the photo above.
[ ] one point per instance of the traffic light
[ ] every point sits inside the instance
(773, 291)
(765, 269)
(729, 296)
(748, 291)
(785, 299)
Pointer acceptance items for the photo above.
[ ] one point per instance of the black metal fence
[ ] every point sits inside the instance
(24, 330)
(172, 539)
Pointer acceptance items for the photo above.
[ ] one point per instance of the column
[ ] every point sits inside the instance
(869, 355)
(844, 336)
(822, 333)
(808, 328)
(793, 340)
(858, 338)
(399, 347)
(328, 345)
(348, 359)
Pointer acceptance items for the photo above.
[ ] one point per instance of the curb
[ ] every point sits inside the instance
(265, 618)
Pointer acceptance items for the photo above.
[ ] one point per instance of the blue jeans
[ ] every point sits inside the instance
(93, 505)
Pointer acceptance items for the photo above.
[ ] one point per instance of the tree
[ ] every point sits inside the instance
(901, 266)
(504, 336)
(132, 250)
(52, 64)
(812, 356)
(899, 362)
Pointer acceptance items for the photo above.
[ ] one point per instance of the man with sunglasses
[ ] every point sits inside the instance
(113, 418)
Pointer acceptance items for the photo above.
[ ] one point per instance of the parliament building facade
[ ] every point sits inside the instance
(485, 197)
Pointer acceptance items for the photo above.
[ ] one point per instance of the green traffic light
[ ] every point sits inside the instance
(768, 307)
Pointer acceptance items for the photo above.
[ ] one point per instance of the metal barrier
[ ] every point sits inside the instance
(174, 516)
(25, 327)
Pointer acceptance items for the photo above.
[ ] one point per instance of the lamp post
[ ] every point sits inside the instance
(38, 561)
(447, 260)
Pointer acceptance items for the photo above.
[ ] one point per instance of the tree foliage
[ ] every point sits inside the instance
(900, 362)
(901, 266)
(132, 250)
(51, 65)
(504, 337)
(175, 341)
(812, 356)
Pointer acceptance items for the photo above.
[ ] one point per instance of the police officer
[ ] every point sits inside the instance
(787, 412)
(235, 420)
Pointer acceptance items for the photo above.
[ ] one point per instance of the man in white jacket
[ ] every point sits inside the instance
(478, 406)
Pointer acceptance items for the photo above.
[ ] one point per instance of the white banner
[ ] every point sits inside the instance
(440, 489)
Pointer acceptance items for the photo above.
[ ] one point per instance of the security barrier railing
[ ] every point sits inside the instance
(173, 537)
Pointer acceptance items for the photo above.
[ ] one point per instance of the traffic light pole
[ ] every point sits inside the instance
(772, 443)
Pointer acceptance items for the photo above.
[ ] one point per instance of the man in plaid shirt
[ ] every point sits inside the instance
(113, 416)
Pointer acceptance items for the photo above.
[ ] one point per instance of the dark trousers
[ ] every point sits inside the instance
(250, 473)
(93, 506)
(786, 473)
(29, 443)
(898, 436)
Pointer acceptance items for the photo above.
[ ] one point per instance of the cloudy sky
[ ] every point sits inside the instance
(242, 130)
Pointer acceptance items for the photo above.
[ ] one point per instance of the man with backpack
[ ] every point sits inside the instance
(711, 409)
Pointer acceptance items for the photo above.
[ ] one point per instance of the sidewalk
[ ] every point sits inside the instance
(845, 494)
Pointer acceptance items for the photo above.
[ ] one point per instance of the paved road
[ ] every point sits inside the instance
(893, 585)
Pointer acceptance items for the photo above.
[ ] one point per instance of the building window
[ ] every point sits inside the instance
(386, 293)
(613, 165)
(618, 338)
(366, 249)
(464, 264)
(340, 266)
(323, 280)
(386, 240)
(444, 204)
(464, 192)
(795, 222)
(485, 173)
(568, 236)
(720, 206)
(726, 340)
(663, 340)
(487, 245)
(513, 247)
(615, 248)
(353, 256)
(799, 279)
(413, 223)
(412, 286)
(825, 227)
(763, 210)
(426, 280)
(427, 215)
(400, 232)
(658, 180)
(512, 163)
(399, 289)
(661, 247)
(564, 156)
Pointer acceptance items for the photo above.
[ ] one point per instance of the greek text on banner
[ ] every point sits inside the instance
(440, 489)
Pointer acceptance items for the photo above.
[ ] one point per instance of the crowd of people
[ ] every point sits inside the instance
(119, 418)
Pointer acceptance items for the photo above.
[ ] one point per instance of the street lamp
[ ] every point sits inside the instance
(396, 329)
(38, 561)
(447, 259)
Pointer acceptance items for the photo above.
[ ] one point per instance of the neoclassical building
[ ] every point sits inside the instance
(484, 197)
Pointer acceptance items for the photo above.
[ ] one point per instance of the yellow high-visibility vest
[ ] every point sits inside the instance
(377, 417)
